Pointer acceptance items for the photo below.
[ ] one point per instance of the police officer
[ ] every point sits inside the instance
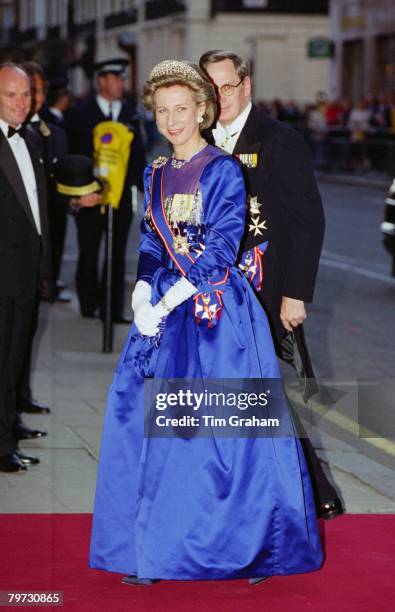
(107, 104)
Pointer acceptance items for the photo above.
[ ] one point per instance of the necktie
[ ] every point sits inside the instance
(110, 117)
(21, 131)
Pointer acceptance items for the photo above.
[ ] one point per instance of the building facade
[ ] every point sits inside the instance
(273, 34)
(363, 32)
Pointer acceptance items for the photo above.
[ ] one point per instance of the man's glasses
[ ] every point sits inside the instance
(228, 89)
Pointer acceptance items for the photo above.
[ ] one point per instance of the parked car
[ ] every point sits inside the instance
(388, 225)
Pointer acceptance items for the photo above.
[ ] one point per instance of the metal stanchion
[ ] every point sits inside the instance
(107, 321)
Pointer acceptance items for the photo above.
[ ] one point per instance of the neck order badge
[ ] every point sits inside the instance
(112, 142)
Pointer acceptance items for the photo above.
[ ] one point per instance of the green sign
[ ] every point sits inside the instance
(320, 47)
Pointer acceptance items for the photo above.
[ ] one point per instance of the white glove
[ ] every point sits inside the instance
(147, 322)
(176, 295)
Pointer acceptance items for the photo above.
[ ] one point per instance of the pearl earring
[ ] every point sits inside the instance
(199, 119)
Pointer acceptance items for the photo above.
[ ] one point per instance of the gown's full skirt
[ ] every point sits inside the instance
(201, 508)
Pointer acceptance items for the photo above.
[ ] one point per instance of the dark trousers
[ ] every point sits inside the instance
(323, 490)
(24, 392)
(270, 298)
(16, 319)
(91, 226)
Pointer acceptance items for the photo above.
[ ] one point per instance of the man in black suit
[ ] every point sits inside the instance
(52, 143)
(54, 147)
(107, 105)
(284, 227)
(25, 251)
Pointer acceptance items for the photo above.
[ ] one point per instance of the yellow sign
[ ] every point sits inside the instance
(111, 151)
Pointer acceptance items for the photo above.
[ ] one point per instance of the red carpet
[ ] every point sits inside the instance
(49, 552)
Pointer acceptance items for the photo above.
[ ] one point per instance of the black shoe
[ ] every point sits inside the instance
(138, 581)
(256, 581)
(330, 509)
(25, 433)
(26, 459)
(32, 407)
(12, 463)
(122, 321)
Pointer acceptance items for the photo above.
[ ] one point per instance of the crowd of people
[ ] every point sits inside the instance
(229, 250)
(341, 135)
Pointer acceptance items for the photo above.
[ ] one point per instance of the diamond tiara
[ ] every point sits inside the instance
(174, 68)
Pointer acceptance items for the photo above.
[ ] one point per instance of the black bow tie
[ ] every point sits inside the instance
(21, 131)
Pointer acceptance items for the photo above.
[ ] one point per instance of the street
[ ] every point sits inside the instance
(351, 326)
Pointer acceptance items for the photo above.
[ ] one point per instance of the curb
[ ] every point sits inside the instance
(355, 181)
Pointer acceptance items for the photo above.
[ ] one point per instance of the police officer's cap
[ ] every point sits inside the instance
(74, 176)
(59, 85)
(116, 65)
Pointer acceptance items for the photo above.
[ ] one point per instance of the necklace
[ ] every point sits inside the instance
(179, 163)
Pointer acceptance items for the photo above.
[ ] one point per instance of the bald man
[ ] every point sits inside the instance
(24, 252)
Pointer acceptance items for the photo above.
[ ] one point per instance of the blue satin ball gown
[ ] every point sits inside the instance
(199, 508)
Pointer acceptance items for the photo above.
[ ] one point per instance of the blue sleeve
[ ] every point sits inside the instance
(150, 247)
(224, 206)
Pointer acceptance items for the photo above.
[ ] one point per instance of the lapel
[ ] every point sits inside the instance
(247, 141)
(97, 115)
(123, 116)
(11, 169)
(39, 171)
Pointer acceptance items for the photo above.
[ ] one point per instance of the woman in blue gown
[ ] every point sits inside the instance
(200, 507)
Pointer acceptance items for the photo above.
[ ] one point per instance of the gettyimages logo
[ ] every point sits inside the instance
(215, 407)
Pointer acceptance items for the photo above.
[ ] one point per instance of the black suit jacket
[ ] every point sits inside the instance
(22, 249)
(291, 213)
(53, 145)
(81, 122)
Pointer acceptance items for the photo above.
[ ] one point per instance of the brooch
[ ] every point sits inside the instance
(159, 161)
(180, 245)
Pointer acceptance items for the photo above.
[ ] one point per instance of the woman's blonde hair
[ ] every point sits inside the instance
(186, 74)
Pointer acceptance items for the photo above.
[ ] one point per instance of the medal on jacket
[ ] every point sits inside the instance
(249, 160)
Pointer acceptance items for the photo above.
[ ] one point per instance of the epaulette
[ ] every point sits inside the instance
(44, 129)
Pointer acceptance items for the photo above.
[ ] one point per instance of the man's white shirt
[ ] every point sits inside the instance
(24, 162)
(226, 137)
(58, 113)
(105, 107)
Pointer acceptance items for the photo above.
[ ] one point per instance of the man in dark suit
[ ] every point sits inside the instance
(284, 227)
(25, 252)
(52, 143)
(107, 105)
(54, 147)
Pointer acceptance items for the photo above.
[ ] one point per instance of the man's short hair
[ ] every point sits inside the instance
(217, 55)
(33, 69)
